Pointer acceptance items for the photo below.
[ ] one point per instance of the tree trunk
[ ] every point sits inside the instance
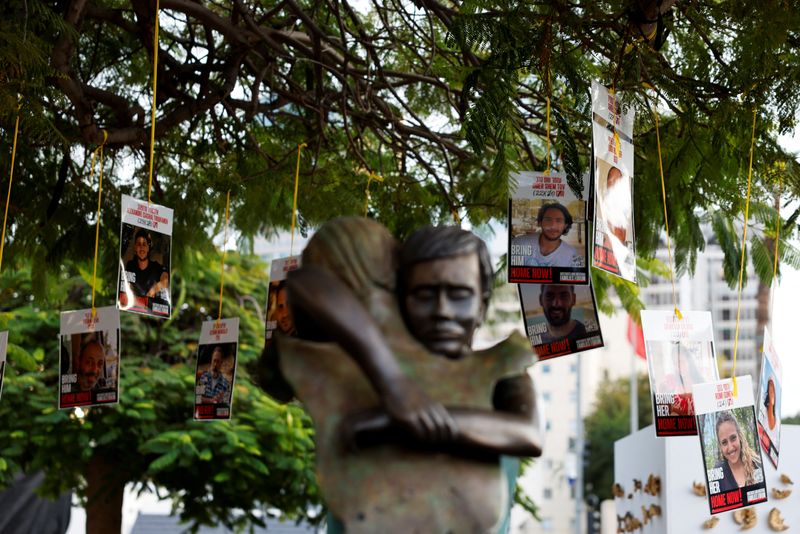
(104, 490)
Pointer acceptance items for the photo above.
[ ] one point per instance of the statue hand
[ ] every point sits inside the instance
(412, 409)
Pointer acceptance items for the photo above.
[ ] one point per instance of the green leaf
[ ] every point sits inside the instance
(164, 461)
(21, 357)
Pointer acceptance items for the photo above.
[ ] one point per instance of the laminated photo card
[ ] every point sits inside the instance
(216, 369)
(89, 358)
(279, 317)
(145, 258)
(560, 319)
(768, 407)
(680, 353)
(548, 232)
(612, 138)
(728, 438)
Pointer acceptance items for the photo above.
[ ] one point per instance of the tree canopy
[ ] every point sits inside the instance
(440, 98)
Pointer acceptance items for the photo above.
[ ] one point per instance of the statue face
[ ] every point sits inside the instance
(443, 303)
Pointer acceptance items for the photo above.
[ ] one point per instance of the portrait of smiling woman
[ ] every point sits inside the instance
(740, 463)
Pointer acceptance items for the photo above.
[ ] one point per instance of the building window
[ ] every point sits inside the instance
(572, 443)
(726, 315)
(547, 426)
(573, 396)
(546, 396)
(726, 334)
(548, 493)
(547, 524)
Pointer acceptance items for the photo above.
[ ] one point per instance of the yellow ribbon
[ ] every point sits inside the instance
(741, 261)
(10, 179)
(617, 142)
(99, 198)
(294, 200)
(666, 219)
(153, 111)
(224, 242)
(377, 178)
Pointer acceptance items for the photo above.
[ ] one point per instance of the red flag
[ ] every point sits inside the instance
(636, 337)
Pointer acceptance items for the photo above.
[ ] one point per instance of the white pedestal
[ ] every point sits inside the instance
(678, 461)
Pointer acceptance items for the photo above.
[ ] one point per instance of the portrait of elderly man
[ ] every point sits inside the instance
(212, 385)
(90, 366)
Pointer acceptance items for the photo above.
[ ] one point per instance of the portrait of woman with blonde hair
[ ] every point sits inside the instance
(741, 465)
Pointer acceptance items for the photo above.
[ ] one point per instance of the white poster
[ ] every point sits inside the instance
(216, 369)
(89, 358)
(680, 353)
(728, 438)
(145, 258)
(548, 233)
(279, 316)
(612, 135)
(560, 319)
(769, 401)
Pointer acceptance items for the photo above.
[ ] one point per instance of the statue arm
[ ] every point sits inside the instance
(509, 429)
(322, 303)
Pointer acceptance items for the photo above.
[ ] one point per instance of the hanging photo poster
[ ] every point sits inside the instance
(279, 317)
(145, 258)
(680, 354)
(548, 233)
(612, 136)
(728, 438)
(3, 350)
(216, 369)
(89, 358)
(769, 401)
(560, 319)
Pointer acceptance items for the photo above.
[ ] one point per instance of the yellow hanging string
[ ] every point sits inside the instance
(547, 171)
(617, 142)
(10, 179)
(153, 111)
(224, 243)
(456, 216)
(99, 198)
(294, 201)
(666, 219)
(775, 261)
(741, 260)
(377, 178)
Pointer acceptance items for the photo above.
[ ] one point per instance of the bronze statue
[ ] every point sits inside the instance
(410, 422)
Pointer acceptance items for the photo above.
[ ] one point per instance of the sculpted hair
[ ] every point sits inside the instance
(746, 454)
(437, 242)
(559, 207)
(360, 251)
